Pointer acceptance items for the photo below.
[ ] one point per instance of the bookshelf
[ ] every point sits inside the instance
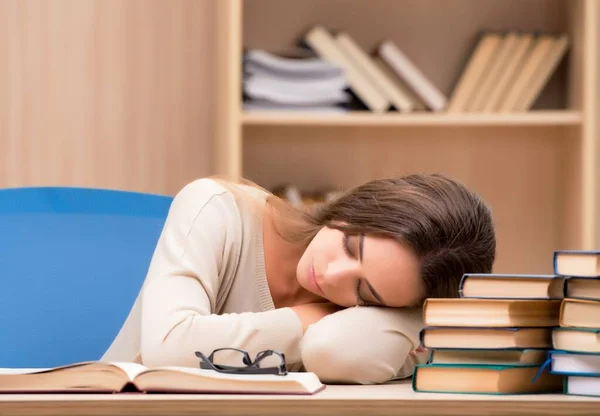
(537, 169)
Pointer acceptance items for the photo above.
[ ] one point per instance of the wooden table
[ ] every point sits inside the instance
(390, 399)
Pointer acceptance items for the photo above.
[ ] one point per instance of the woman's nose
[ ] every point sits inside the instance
(339, 271)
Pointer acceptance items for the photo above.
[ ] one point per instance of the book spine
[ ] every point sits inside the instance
(461, 285)
(422, 337)
(414, 378)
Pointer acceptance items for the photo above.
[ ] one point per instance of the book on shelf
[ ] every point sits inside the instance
(507, 72)
(504, 72)
(498, 64)
(303, 83)
(416, 103)
(525, 75)
(375, 74)
(294, 64)
(323, 43)
(295, 92)
(543, 73)
(267, 105)
(402, 65)
(109, 377)
(511, 66)
(477, 67)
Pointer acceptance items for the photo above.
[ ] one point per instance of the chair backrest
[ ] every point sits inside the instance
(72, 262)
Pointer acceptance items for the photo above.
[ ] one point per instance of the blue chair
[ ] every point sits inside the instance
(72, 262)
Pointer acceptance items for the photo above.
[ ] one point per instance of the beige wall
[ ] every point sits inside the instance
(106, 93)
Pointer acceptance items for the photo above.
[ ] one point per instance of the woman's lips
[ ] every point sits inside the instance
(313, 278)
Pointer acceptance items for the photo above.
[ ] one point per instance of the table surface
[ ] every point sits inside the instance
(388, 399)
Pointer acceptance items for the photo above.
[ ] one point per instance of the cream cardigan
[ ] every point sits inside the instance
(206, 288)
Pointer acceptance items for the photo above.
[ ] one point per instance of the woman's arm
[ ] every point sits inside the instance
(364, 345)
(179, 298)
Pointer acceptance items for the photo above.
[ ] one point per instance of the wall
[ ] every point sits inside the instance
(106, 93)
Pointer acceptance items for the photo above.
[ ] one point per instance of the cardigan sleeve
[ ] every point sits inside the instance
(201, 236)
(363, 345)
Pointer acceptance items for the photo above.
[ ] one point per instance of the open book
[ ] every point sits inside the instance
(115, 377)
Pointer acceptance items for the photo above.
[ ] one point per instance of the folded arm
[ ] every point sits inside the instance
(364, 345)
(185, 275)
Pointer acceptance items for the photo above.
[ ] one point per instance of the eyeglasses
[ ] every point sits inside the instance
(248, 366)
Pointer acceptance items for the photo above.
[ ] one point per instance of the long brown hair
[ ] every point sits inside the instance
(447, 226)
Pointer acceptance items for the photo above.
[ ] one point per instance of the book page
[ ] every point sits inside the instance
(41, 370)
(7, 371)
(291, 376)
(131, 369)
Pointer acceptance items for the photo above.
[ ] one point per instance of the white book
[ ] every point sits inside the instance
(582, 386)
(323, 43)
(286, 92)
(367, 65)
(416, 102)
(261, 105)
(576, 363)
(413, 76)
(261, 61)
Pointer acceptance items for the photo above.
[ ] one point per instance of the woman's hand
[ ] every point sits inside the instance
(419, 349)
(311, 313)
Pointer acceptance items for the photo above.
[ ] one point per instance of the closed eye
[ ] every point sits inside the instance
(360, 301)
(346, 245)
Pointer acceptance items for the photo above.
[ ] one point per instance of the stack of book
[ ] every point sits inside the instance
(273, 82)
(494, 338)
(576, 341)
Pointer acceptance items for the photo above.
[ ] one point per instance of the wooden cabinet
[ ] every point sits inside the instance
(537, 169)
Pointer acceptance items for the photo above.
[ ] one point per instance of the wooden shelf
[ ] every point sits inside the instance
(538, 170)
(533, 118)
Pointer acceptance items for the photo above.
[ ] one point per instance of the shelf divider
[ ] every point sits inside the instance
(360, 118)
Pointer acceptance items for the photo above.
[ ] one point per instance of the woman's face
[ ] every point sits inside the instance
(360, 270)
